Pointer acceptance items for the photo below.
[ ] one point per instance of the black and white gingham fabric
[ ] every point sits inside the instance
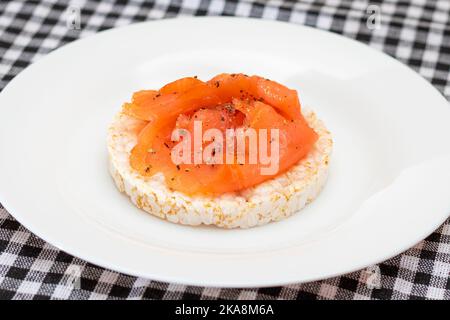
(416, 32)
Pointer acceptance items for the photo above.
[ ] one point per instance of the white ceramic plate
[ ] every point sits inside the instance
(390, 175)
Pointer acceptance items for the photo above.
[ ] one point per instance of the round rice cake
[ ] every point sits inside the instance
(271, 200)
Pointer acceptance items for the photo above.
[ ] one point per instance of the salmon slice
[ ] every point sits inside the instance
(180, 86)
(149, 104)
(257, 88)
(227, 101)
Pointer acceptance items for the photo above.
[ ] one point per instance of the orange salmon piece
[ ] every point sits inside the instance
(227, 101)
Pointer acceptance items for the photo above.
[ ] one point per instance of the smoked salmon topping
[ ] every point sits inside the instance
(222, 110)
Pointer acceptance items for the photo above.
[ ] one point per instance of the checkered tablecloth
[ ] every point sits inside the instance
(416, 32)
